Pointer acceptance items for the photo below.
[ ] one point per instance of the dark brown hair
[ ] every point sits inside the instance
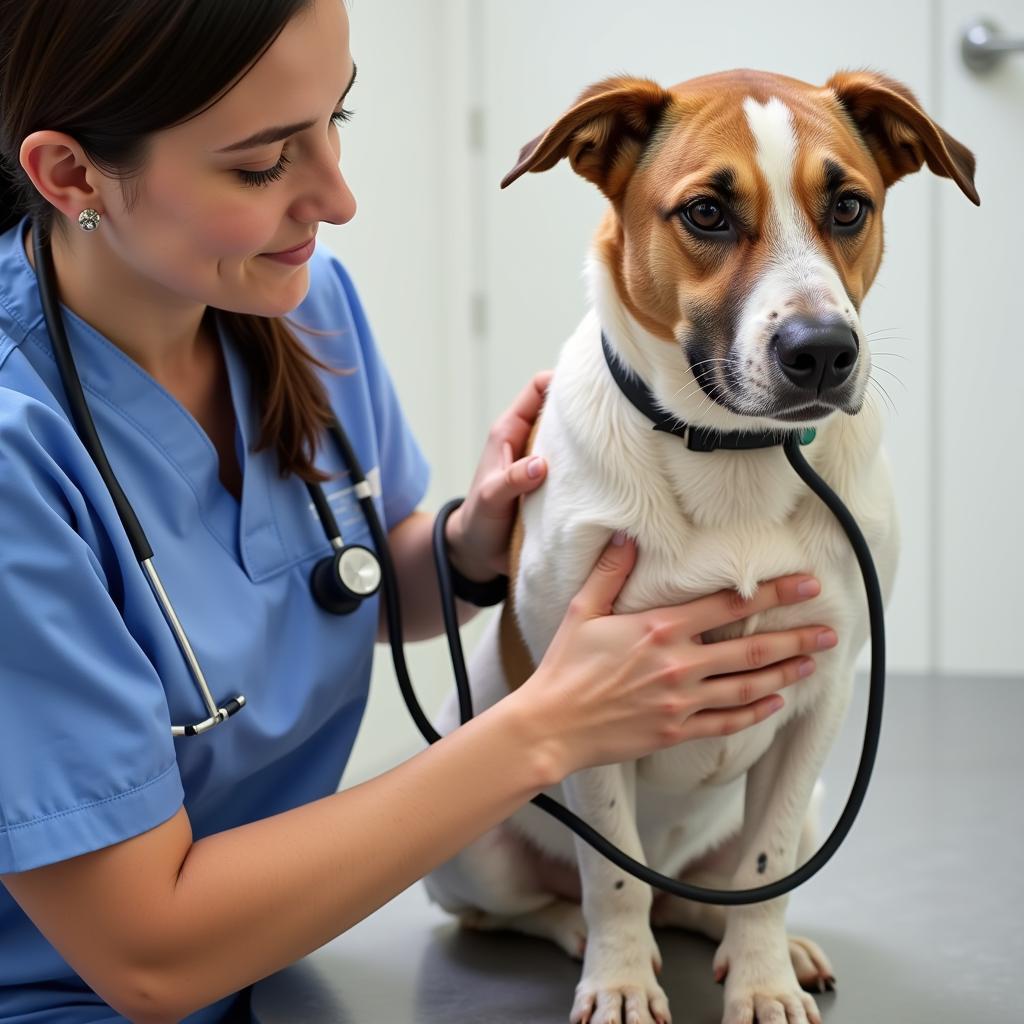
(110, 73)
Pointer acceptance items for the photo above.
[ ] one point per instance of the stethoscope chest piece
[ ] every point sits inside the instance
(343, 581)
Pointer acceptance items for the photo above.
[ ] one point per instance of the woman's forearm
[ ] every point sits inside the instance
(253, 899)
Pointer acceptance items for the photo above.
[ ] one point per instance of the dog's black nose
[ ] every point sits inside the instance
(816, 354)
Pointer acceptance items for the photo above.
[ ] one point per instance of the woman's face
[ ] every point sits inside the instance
(209, 209)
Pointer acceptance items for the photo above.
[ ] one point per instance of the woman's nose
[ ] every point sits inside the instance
(327, 197)
(343, 205)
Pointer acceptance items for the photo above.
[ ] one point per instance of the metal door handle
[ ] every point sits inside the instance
(984, 47)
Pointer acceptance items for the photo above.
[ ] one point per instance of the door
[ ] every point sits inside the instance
(979, 483)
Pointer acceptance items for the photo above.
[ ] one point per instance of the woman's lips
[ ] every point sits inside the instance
(295, 256)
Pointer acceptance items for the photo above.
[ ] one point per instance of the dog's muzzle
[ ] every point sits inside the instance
(817, 359)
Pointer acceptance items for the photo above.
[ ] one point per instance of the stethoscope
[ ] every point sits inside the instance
(339, 582)
(353, 573)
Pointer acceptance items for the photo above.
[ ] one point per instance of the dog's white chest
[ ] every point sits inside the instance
(715, 559)
(703, 522)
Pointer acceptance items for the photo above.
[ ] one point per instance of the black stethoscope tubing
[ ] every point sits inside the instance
(872, 730)
(87, 432)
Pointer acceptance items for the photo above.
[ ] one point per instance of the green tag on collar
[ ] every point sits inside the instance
(808, 435)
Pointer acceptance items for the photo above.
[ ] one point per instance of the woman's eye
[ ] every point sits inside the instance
(705, 215)
(275, 173)
(259, 178)
(848, 211)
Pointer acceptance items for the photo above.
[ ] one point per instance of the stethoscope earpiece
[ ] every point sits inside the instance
(341, 582)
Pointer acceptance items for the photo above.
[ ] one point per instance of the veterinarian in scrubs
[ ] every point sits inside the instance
(156, 878)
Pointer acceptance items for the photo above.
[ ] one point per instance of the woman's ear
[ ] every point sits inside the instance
(900, 135)
(59, 169)
(602, 134)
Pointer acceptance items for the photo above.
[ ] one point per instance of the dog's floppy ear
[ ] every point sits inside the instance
(900, 135)
(602, 134)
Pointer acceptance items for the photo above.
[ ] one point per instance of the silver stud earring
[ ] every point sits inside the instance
(89, 220)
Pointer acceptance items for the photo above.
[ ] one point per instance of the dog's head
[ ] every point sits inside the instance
(746, 221)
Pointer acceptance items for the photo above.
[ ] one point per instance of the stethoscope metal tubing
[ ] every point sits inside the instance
(179, 635)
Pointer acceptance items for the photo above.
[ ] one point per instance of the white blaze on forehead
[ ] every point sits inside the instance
(797, 270)
(798, 267)
(771, 124)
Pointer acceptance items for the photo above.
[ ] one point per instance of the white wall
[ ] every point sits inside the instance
(403, 156)
(979, 482)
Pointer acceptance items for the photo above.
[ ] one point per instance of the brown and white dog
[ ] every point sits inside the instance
(743, 232)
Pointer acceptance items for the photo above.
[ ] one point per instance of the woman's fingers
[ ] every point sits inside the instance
(517, 421)
(606, 579)
(727, 606)
(739, 691)
(499, 490)
(704, 724)
(747, 653)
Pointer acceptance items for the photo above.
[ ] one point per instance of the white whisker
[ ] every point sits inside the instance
(891, 374)
(884, 392)
(895, 355)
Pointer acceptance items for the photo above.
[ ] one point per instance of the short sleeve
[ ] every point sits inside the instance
(405, 472)
(86, 754)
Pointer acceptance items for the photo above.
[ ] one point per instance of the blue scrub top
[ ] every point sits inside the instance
(91, 678)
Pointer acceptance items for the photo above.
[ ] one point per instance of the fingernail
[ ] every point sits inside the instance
(775, 704)
(619, 538)
(827, 638)
(806, 667)
(534, 467)
(809, 588)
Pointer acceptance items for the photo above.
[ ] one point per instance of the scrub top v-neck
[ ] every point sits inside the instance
(91, 678)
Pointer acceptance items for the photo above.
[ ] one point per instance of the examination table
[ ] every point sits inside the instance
(920, 910)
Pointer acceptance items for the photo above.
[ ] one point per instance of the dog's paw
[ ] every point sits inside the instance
(758, 990)
(632, 1001)
(795, 1007)
(812, 967)
(619, 984)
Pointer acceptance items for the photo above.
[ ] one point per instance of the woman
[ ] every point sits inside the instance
(154, 877)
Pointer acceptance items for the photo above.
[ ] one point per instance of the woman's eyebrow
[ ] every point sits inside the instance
(268, 135)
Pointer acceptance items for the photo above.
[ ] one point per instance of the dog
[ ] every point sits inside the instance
(743, 231)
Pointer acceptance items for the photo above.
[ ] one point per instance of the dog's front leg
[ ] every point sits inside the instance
(621, 958)
(754, 955)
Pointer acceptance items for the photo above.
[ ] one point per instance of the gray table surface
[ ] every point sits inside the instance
(920, 911)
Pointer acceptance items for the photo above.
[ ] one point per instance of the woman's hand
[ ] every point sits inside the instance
(612, 688)
(478, 531)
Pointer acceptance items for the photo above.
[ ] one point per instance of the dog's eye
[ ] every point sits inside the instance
(705, 215)
(848, 211)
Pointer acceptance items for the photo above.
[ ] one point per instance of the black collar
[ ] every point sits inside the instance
(698, 439)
